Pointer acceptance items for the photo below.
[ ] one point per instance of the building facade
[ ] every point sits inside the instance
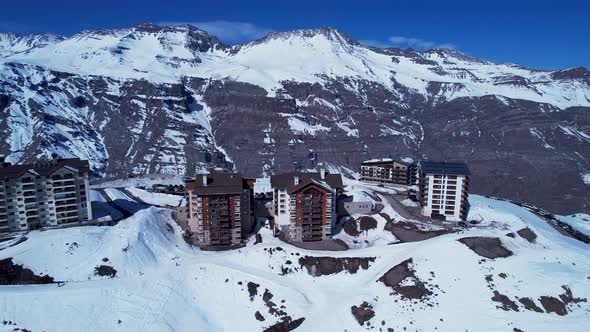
(444, 189)
(350, 208)
(305, 204)
(46, 194)
(385, 171)
(220, 208)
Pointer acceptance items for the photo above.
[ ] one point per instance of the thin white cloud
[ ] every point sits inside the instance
(417, 43)
(375, 43)
(407, 42)
(229, 31)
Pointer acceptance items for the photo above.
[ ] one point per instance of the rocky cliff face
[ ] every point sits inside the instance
(174, 100)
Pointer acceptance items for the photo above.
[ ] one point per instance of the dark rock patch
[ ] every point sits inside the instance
(567, 297)
(105, 271)
(252, 290)
(351, 227)
(259, 316)
(286, 325)
(399, 273)
(507, 303)
(319, 266)
(552, 304)
(529, 304)
(408, 232)
(489, 247)
(15, 274)
(363, 313)
(272, 307)
(527, 234)
(258, 238)
(511, 235)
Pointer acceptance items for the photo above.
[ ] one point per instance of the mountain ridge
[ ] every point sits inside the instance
(181, 100)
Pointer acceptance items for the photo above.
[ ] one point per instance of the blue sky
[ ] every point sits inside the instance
(539, 34)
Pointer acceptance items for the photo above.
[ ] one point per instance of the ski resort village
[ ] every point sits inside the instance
(163, 177)
(398, 245)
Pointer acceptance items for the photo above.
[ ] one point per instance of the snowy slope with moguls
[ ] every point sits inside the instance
(140, 275)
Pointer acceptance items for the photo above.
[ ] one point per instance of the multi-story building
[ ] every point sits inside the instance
(444, 188)
(385, 170)
(44, 194)
(305, 204)
(220, 207)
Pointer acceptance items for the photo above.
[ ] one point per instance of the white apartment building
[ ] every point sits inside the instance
(444, 188)
(44, 194)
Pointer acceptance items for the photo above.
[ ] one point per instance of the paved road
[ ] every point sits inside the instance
(412, 213)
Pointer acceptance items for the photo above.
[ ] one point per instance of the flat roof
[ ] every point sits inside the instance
(44, 168)
(384, 160)
(444, 167)
(217, 183)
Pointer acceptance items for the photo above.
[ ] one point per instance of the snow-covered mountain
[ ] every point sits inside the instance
(173, 99)
(12, 43)
(165, 54)
(140, 275)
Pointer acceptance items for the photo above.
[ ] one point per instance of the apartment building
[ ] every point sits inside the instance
(305, 204)
(385, 170)
(44, 194)
(220, 206)
(444, 188)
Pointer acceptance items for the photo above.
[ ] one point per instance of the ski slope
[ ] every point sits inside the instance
(163, 284)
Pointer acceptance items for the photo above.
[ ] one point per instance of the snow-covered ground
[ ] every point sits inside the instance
(158, 199)
(145, 181)
(579, 221)
(101, 209)
(163, 284)
(262, 185)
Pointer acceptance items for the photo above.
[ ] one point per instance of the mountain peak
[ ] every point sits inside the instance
(329, 33)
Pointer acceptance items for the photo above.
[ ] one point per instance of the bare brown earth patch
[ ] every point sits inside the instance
(362, 313)
(367, 223)
(505, 301)
(319, 266)
(560, 305)
(489, 247)
(15, 274)
(552, 304)
(529, 304)
(401, 272)
(528, 234)
(408, 232)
